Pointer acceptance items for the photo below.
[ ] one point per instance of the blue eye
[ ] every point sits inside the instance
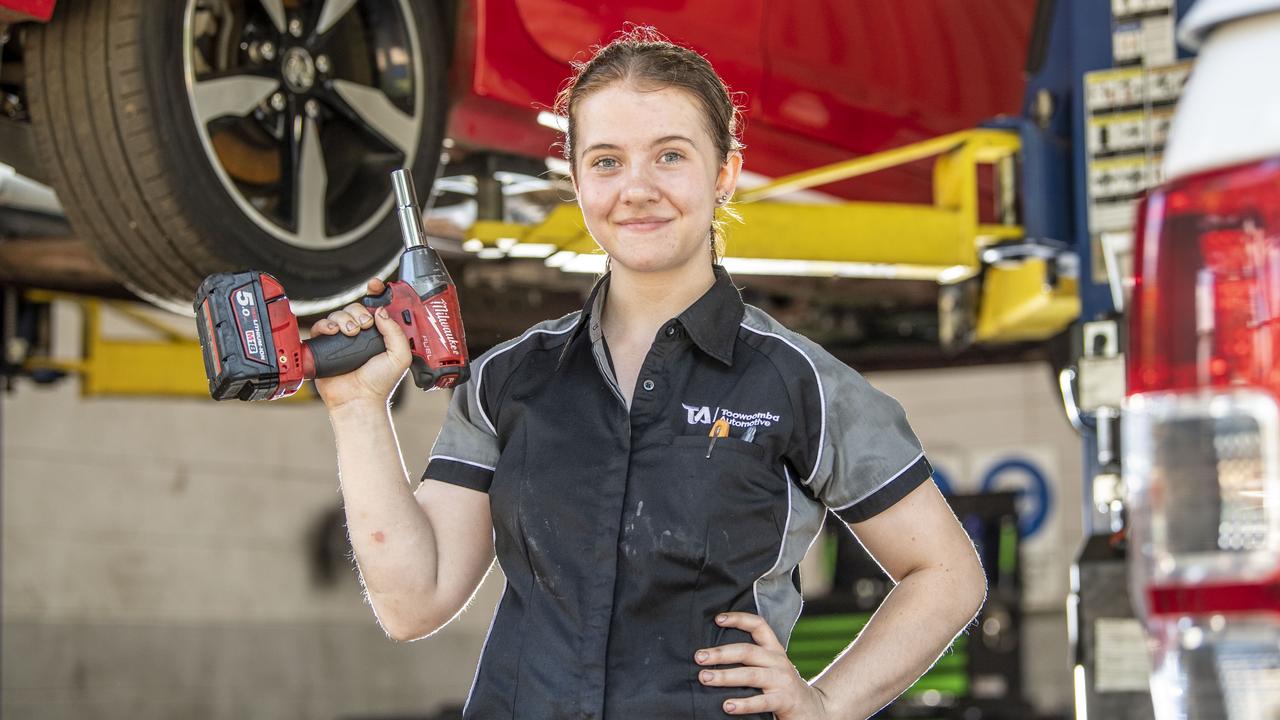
(671, 154)
(600, 163)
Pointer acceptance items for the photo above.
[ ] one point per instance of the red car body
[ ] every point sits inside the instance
(21, 10)
(821, 80)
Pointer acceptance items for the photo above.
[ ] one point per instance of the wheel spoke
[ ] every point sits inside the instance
(275, 9)
(230, 95)
(373, 109)
(290, 162)
(331, 13)
(310, 185)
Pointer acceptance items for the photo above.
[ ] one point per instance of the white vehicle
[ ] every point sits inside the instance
(1202, 419)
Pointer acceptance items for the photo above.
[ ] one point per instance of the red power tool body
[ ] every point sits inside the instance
(253, 349)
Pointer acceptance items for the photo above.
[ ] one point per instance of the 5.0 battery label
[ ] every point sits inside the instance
(249, 323)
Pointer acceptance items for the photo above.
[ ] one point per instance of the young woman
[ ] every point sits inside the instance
(650, 470)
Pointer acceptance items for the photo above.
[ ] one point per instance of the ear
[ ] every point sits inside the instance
(727, 177)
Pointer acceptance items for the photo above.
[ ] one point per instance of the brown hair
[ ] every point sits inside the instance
(643, 57)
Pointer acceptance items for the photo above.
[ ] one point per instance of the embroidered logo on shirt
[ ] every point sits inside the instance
(703, 415)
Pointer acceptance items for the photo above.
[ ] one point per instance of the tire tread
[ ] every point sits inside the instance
(94, 82)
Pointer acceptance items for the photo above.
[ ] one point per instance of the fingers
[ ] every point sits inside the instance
(393, 337)
(766, 702)
(763, 664)
(350, 320)
(757, 677)
(324, 326)
(754, 624)
(735, 654)
(360, 315)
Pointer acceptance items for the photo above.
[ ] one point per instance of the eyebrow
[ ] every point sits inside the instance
(659, 141)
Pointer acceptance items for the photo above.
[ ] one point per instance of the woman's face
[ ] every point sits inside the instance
(647, 176)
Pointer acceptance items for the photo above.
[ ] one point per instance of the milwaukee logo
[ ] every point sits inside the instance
(703, 415)
(440, 320)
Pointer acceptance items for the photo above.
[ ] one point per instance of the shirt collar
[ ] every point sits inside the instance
(712, 320)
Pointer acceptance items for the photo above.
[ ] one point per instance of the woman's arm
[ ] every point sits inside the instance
(940, 586)
(421, 555)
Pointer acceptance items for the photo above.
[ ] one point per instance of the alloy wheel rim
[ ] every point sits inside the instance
(301, 130)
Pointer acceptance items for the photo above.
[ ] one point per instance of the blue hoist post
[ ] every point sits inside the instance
(1071, 43)
(1079, 190)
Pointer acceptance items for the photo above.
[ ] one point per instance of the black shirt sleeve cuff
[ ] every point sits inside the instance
(458, 472)
(891, 492)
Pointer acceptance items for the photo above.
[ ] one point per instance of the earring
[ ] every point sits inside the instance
(722, 199)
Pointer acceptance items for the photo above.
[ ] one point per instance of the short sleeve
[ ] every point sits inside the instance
(466, 450)
(852, 446)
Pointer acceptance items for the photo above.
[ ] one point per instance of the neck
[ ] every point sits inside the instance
(639, 303)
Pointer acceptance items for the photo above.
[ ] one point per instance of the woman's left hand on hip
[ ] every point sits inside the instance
(766, 666)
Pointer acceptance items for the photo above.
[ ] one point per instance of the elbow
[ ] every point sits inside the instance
(400, 632)
(405, 630)
(974, 587)
(402, 624)
(400, 636)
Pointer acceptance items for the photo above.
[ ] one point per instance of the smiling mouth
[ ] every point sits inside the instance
(644, 226)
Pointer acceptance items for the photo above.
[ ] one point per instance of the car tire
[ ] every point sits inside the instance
(113, 113)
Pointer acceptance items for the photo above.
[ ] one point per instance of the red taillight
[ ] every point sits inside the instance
(1262, 597)
(1206, 300)
(1201, 439)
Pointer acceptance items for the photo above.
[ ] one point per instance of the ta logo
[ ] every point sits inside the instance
(703, 415)
(699, 415)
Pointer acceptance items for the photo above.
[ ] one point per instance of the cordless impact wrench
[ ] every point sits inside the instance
(253, 350)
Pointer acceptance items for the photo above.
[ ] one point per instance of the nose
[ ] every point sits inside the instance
(640, 187)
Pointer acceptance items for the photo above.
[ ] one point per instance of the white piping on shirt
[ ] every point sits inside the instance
(800, 610)
(485, 646)
(879, 487)
(782, 545)
(460, 460)
(822, 401)
(480, 370)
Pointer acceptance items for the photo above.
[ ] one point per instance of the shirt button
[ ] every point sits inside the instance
(671, 330)
(648, 385)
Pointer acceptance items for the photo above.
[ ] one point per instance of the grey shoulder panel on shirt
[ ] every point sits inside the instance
(852, 445)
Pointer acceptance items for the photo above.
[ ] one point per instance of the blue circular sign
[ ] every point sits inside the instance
(1034, 496)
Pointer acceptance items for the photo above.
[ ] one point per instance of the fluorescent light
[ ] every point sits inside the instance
(829, 268)
(531, 250)
(557, 165)
(585, 264)
(473, 245)
(570, 261)
(559, 259)
(553, 121)
(1082, 712)
(506, 243)
(490, 253)
(955, 274)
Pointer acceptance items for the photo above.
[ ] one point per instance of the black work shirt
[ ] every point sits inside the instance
(619, 538)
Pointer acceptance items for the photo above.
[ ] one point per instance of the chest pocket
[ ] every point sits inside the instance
(731, 507)
(734, 472)
(729, 444)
